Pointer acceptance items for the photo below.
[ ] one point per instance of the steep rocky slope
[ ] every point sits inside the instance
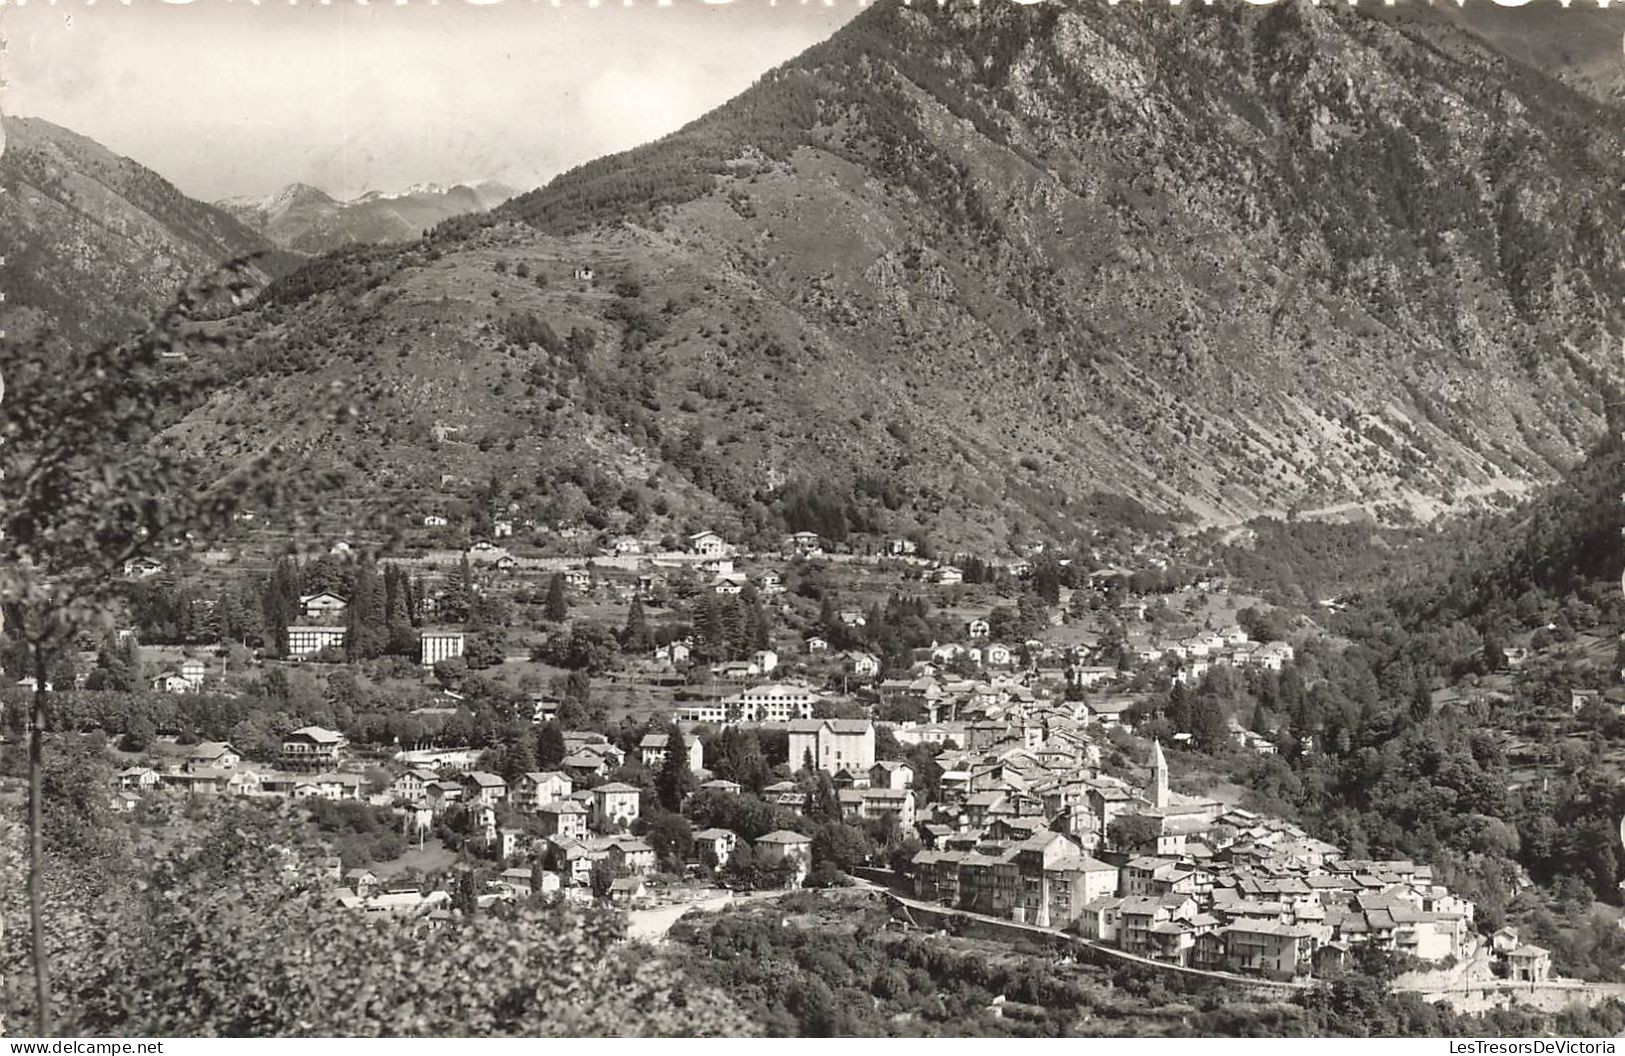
(93, 243)
(308, 220)
(979, 268)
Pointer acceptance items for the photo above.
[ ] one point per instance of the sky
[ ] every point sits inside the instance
(228, 97)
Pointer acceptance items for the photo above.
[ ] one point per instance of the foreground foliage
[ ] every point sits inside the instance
(228, 933)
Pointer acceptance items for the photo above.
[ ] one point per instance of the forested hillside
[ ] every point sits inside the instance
(974, 268)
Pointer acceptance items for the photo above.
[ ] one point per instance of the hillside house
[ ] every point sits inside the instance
(194, 671)
(324, 605)
(864, 804)
(535, 789)
(487, 553)
(1109, 711)
(615, 805)
(484, 789)
(707, 544)
(312, 748)
(807, 544)
(977, 628)
(563, 818)
(891, 773)
(654, 748)
(630, 855)
(138, 779)
(1529, 964)
(715, 846)
(782, 846)
(672, 653)
(142, 568)
(946, 576)
(1269, 948)
(412, 786)
(863, 665)
(218, 754)
(170, 682)
(1271, 656)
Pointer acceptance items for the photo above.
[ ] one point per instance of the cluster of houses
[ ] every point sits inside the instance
(1194, 655)
(309, 762)
(1173, 878)
(574, 831)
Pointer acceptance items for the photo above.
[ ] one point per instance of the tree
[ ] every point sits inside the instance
(451, 671)
(1134, 832)
(676, 779)
(89, 488)
(465, 898)
(601, 879)
(558, 606)
(672, 837)
(519, 756)
(635, 635)
(219, 902)
(139, 734)
(485, 648)
(550, 747)
(366, 634)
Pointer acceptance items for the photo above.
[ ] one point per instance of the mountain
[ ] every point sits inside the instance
(308, 220)
(93, 243)
(998, 270)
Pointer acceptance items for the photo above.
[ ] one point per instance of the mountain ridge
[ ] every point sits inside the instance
(94, 244)
(307, 219)
(975, 269)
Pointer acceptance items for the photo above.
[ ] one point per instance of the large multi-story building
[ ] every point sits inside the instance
(833, 745)
(773, 702)
(435, 646)
(310, 640)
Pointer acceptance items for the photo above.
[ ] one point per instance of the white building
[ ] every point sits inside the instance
(307, 641)
(773, 702)
(435, 646)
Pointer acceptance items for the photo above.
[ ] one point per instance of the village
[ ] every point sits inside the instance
(1022, 820)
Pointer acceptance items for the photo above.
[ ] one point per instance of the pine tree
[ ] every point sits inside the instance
(365, 613)
(761, 627)
(675, 779)
(708, 629)
(828, 619)
(558, 606)
(550, 747)
(466, 898)
(520, 754)
(635, 636)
